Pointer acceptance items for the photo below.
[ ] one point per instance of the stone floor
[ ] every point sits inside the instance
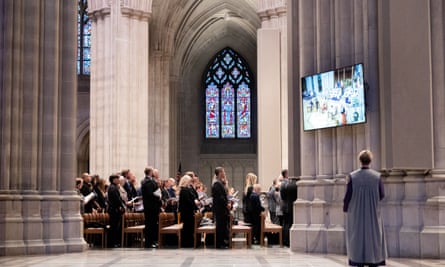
(238, 256)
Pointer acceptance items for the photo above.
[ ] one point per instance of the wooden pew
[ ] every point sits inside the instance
(267, 227)
(168, 225)
(96, 224)
(240, 229)
(205, 229)
(133, 223)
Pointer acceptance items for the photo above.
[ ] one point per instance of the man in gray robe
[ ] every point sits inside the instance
(365, 238)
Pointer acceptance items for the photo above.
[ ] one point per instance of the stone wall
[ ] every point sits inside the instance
(413, 214)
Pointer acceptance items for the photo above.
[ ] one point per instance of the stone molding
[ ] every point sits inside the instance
(136, 9)
(99, 8)
(272, 12)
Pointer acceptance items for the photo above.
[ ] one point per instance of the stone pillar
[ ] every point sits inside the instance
(159, 113)
(120, 116)
(302, 215)
(272, 91)
(412, 213)
(316, 231)
(335, 232)
(269, 121)
(432, 236)
(392, 209)
(39, 210)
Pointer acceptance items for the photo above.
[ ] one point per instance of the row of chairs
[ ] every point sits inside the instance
(96, 224)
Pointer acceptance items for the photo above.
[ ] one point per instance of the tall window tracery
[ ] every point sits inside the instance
(228, 98)
(83, 38)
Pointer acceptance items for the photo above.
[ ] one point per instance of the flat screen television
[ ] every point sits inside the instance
(333, 98)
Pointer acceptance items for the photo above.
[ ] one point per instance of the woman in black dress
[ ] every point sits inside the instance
(187, 207)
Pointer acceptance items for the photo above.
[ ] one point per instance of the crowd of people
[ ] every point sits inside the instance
(184, 195)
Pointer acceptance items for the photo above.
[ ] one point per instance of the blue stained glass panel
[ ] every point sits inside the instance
(244, 111)
(83, 38)
(212, 111)
(228, 111)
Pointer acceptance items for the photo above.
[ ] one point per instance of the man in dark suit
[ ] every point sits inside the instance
(288, 192)
(221, 207)
(256, 209)
(128, 186)
(116, 208)
(151, 197)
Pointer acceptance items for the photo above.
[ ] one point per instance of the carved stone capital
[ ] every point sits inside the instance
(99, 8)
(136, 9)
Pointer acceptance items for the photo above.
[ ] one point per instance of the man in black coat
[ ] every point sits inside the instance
(221, 207)
(256, 209)
(151, 197)
(116, 208)
(288, 192)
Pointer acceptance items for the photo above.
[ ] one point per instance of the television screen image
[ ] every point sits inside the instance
(334, 98)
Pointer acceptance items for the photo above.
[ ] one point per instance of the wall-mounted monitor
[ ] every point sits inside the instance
(333, 98)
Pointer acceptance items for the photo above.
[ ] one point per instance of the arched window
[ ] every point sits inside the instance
(83, 38)
(228, 100)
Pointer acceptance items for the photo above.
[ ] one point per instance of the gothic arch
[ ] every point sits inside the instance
(83, 146)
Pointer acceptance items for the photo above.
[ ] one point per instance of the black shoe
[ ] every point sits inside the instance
(154, 245)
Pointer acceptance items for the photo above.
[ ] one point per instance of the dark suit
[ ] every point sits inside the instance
(115, 209)
(130, 189)
(255, 213)
(220, 213)
(187, 208)
(288, 194)
(85, 190)
(152, 205)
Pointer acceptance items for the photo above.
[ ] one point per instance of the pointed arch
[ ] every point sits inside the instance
(228, 97)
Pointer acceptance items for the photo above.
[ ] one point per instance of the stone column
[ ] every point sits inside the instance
(273, 145)
(392, 209)
(269, 126)
(412, 213)
(432, 236)
(39, 210)
(159, 113)
(119, 86)
(335, 232)
(302, 215)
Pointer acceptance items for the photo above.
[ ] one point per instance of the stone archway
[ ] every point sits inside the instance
(83, 147)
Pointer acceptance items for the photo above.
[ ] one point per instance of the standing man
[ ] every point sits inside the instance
(288, 193)
(151, 197)
(221, 207)
(116, 207)
(365, 239)
(129, 184)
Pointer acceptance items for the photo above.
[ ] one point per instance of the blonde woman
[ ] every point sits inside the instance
(251, 179)
(187, 207)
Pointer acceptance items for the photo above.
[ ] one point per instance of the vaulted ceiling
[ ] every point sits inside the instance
(193, 31)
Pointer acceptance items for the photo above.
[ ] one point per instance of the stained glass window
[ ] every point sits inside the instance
(228, 97)
(83, 38)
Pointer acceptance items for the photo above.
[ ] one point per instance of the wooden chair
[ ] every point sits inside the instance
(168, 225)
(205, 229)
(133, 223)
(96, 224)
(270, 228)
(240, 229)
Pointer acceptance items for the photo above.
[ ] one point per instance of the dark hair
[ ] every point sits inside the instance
(365, 157)
(112, 177)
(148, 171)
(125, 172)
(284, 172)
(218, 170)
